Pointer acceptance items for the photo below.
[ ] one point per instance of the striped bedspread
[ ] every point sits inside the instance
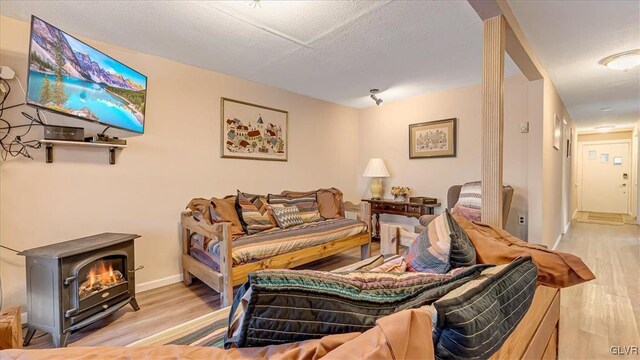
(277, 241)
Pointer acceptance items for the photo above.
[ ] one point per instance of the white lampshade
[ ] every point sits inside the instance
(376, 168)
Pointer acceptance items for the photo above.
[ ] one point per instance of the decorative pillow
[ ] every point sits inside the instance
(308, 205)
(467, 213)
(287, 216)
(471, 195)
(329, 201)
(253, 221)
(430, 251)
(462, 251)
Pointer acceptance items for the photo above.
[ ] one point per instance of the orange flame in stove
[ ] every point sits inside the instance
(100, 272)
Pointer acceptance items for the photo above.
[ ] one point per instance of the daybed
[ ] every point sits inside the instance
(222, 260)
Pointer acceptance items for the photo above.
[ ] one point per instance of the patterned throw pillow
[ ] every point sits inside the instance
(443, 245)
(430, 251)
(308, 205)
(287, 216)
(471, 195)
(252, 214)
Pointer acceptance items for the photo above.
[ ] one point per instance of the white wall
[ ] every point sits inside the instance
(383, 131)
(177, 158)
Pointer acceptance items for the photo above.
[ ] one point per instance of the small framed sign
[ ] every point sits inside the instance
(433, 139)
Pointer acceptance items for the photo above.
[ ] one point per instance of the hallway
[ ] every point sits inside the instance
(606, 311)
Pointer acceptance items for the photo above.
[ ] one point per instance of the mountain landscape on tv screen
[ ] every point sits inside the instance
(68, 76)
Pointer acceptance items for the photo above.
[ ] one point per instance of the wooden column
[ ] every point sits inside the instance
(492, 118)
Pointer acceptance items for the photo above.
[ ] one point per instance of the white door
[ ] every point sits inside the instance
(605, 177)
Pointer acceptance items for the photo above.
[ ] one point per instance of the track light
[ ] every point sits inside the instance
(374, 97)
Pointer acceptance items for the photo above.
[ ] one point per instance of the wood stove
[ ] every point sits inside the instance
(75, 283)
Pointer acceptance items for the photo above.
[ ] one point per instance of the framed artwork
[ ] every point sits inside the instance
(557, 132)
(250, 131)
(433, 139)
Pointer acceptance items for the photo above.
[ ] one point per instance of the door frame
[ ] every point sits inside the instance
(603, 142)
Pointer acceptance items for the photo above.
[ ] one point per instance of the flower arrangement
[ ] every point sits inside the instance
(400, 191)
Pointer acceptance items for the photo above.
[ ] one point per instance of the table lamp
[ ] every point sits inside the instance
(376, 170)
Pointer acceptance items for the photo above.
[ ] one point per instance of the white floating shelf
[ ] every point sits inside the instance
(112, 147)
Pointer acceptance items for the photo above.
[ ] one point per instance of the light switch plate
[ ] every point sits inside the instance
(524, 127)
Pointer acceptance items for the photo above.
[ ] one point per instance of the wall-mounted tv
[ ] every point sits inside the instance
(69, 77)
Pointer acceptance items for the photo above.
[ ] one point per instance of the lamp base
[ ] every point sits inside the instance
(376, 189)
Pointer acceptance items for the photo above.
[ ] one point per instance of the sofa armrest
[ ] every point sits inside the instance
(426, 219)
(360, 212)
(190, 221)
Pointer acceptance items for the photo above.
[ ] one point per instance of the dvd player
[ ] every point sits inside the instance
(105, 140)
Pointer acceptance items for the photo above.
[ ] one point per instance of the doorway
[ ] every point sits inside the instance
(605, 176)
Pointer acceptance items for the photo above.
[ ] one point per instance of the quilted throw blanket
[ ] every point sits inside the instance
(280, 306)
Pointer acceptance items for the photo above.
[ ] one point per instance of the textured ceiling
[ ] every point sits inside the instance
(569, 38)
(331, 50)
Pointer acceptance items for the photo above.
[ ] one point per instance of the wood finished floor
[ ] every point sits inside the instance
(166, 307)
(604, 312)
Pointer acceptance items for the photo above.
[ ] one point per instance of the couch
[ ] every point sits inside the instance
(213, 252)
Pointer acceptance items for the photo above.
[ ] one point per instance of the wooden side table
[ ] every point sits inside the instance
(10, 328)
(403, 208)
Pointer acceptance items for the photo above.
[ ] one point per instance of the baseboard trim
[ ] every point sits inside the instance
(154, 284)
(149, 285)
(555, 246)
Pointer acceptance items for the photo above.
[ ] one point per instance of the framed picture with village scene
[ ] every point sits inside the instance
(433, 139)
(250, 131)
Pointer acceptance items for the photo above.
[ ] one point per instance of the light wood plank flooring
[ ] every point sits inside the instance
(166, 307)
(604, 312)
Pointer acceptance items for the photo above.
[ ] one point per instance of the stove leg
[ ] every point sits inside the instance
(134, 304)
(60, 340)
(28, 337)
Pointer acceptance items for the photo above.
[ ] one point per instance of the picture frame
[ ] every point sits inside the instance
(557, 132)
(253, 132)
(433, 139)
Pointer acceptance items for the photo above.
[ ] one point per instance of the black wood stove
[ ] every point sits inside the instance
(75, 283)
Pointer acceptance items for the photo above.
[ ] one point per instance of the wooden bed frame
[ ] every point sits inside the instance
(230, 276)
(535, 337)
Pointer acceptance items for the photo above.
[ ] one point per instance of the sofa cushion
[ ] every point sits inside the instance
(291, 305)
(475, 319)
(308, 205)
(287, 216)
(252, 219)
(329, 201)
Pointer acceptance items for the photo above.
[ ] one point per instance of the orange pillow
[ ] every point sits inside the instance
(496, 246)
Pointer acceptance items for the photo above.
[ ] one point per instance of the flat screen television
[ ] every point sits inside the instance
(69, 77)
